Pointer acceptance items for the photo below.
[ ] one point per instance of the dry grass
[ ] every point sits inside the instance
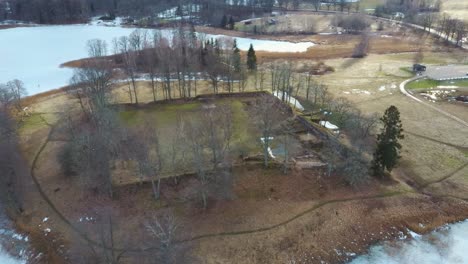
(456, 8)
(342, 46)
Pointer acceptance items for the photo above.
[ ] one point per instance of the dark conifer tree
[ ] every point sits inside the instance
(388, 148)
(251, 59)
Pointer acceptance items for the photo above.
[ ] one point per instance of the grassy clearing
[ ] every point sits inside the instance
(407, 70)
(422, 84)
(32, 123)
(244, 139)
(429, 83)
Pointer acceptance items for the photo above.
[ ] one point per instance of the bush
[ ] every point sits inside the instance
(66, 159)
(353, 24)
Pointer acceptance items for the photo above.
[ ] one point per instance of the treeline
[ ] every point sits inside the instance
(173, 65)
(13, 168)
(409, 8)
(74, 11)
(450, 28)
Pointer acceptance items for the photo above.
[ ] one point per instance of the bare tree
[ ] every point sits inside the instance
(266, 114)
(361, 49)
(18, 91)
(316, 4)
(127, 46)
(145, 149)
(7, 97)
(419, 56)
(151, 63)
(92, 83)
(194, 134)
(359, 128)
(164, 230)
(340, 109)
(93, 147)
(355, 170)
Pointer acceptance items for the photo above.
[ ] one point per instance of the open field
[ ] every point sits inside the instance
(165, 117)
(456, 8)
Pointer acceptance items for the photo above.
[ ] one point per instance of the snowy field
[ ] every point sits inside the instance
(6, 259)
(33, 54)
(445, 246)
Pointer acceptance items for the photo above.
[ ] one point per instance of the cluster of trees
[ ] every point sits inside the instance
(173, 66)
(340, 5)
(12, 166)
(73, 11)
(451, 28)
(352, 24)
(410, 8)
(11, 94)
(98, 140)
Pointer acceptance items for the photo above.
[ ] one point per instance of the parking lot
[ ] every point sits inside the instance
(449, 72)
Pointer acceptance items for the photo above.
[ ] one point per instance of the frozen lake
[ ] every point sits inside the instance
(33, 54)
(7, 235)
(448, 245)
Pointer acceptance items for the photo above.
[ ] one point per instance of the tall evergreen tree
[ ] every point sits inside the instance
(231, 23)
(251, 59)
(224, 21)
(236, 58)
(388, 148)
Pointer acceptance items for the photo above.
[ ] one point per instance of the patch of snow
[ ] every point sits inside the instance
(414, 234)
(7, 259)
(447, 87)
(359, 91)
(446, 245)
(292, 100)
(86, 218)
(328, 125)
(45, 219)
(382, 88)
(18, 236)
(270, 152)
(47, 230)
(95, 21)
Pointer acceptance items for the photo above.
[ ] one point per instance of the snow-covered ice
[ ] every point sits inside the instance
(328, 125)
(447, 245)
(7, 259)
(33, 54)
(292, 100)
